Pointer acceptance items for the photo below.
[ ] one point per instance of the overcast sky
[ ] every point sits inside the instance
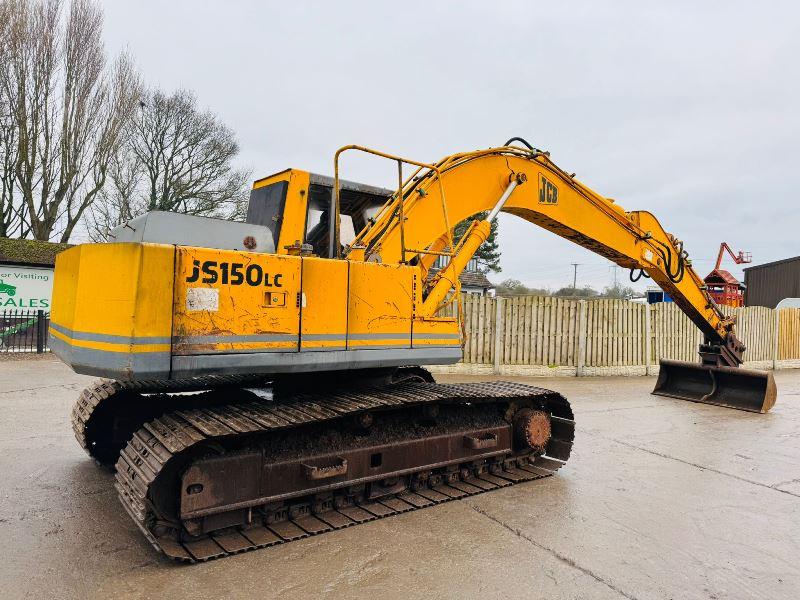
(690, 110)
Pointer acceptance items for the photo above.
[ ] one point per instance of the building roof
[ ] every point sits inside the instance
(770, 283)
(773, 263)
(29, 252)
(473, 279)
(721, 276)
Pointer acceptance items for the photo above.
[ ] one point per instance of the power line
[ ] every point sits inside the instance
(556, 268)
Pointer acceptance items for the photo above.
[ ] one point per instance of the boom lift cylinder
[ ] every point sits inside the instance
(477, 233)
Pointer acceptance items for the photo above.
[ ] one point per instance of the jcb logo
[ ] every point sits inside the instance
(548, 192)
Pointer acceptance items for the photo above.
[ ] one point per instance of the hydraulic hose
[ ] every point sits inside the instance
(521, 141)
(677, 276)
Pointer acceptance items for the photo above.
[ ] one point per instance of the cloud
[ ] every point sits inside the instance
(685, 109)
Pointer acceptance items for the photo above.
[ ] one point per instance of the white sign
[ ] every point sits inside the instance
(202, 299)
(25, 288)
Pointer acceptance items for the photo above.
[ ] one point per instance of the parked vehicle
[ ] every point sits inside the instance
(7, 288)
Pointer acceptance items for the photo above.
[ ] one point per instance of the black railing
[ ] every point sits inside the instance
(24, 331)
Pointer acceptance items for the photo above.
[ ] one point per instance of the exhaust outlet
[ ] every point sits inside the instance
(743, 389)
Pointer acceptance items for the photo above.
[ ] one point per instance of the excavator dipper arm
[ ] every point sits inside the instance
(462, 185)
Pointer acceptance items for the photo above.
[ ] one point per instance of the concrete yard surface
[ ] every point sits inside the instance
(660, 499)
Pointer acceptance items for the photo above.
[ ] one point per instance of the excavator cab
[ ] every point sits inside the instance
(297, 207)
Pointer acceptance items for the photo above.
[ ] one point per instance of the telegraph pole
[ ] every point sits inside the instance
(575, 276)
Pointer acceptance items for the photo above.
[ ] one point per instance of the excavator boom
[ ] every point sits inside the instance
(414, 227)
(463, 185)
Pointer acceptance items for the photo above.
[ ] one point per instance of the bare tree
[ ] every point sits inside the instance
(177, 158)
(186, 155)
(68, 106)
(11, 213)
(11, 222)
(118, 201)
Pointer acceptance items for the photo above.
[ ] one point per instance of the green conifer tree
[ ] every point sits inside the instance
(489, 252)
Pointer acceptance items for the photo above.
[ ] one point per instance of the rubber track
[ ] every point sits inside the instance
(162, 439)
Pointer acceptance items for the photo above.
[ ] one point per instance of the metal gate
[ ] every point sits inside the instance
(24, 331)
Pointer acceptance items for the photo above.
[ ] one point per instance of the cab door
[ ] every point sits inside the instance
(380, 306)
(323, 305)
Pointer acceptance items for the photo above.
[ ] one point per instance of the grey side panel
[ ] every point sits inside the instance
(122, 366)
(299, 362)
(161, 227)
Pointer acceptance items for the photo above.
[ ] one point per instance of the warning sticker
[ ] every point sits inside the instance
(198, 299)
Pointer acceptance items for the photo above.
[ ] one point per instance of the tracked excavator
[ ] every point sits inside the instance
(265, 381)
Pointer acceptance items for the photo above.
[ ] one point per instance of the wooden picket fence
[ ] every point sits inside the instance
(789, 334)
(585, 334)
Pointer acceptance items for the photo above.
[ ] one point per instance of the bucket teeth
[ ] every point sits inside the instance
(743, 389)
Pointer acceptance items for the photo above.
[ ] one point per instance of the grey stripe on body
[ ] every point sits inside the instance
(234, 339)
(86, 336)
(380, 336)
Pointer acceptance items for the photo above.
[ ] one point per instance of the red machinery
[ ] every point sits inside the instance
(723, 287)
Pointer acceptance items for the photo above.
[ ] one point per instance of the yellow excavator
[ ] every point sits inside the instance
(264, 381)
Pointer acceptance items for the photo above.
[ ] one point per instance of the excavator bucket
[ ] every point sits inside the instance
(744, 389)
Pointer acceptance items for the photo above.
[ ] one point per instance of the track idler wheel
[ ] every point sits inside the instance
(532, 430)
